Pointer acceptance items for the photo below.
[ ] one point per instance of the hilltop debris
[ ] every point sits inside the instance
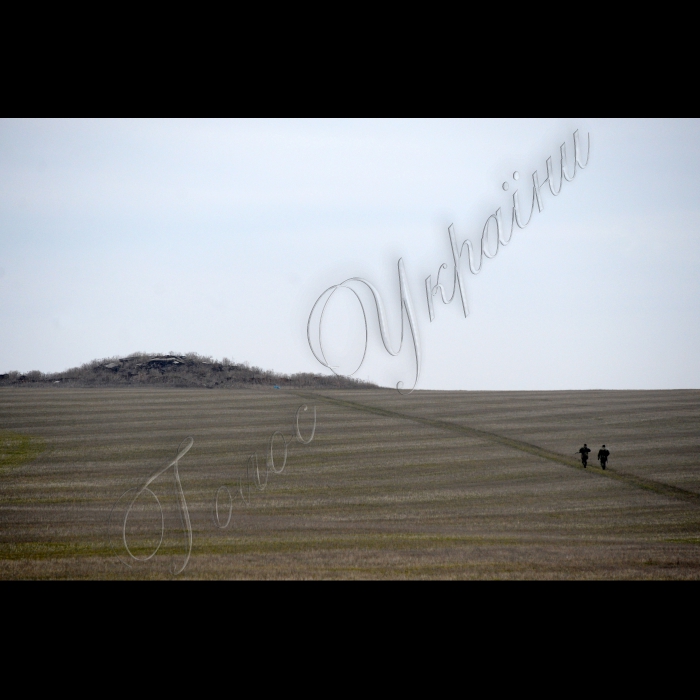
(160, 361)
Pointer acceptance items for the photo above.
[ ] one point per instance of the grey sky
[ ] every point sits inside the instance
(217, 237)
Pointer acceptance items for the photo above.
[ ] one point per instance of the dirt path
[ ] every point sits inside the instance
(626, 477)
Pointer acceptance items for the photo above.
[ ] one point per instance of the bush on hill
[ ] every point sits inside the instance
(190, 370)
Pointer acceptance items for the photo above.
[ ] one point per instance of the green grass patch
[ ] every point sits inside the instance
(52, 550)
(388, 542)
(16, 449)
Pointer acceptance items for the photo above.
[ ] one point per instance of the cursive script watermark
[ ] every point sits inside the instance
(130, 498)
(488, 248)
(182, 450)
(252, 469)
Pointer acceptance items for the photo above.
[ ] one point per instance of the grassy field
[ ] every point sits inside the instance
(467, 485)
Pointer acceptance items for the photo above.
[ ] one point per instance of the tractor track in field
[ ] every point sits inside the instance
(625, 477)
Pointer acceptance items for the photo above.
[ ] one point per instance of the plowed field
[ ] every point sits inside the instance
(467, 485)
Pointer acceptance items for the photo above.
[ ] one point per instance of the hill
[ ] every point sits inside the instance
(182, 371)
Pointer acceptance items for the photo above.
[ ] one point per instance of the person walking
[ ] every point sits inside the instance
(584, 454)
(603, 455)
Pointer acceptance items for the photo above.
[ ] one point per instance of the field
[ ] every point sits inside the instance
(464, 485)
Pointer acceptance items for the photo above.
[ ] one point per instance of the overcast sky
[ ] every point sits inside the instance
(218, 236)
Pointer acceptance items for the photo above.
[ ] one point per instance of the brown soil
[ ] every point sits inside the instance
(434, 485)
